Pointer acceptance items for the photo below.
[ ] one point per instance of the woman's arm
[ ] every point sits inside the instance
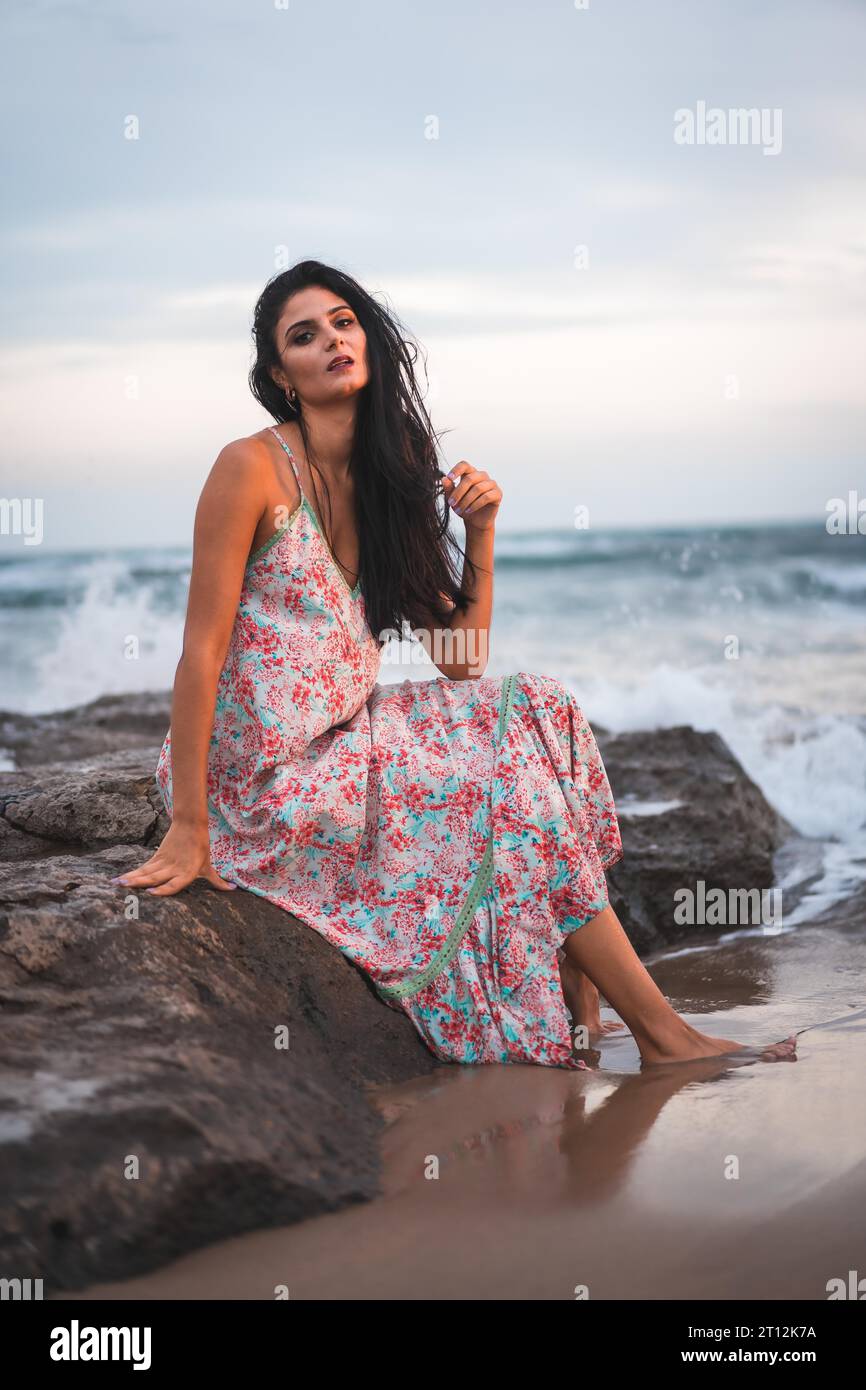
(229, 510)
(461, 649)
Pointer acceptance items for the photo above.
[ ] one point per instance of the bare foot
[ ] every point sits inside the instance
(687, 1045)
(581, 999)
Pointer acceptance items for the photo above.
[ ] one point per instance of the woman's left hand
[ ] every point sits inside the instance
(473, 495)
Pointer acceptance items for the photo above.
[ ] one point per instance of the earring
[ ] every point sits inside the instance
(292, 398)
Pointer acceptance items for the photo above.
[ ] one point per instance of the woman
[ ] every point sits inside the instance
(450, 836)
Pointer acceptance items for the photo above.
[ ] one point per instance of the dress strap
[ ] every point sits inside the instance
(273, 428)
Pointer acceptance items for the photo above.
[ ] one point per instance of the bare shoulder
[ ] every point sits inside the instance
(258, 462)
(244, 457)
(241, 468)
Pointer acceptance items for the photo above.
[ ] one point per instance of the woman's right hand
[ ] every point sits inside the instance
(183, 855)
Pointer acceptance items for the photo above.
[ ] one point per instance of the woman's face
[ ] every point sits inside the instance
(316, 327)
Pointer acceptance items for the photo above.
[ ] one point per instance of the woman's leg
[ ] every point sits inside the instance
(581, 998)
(602, 951)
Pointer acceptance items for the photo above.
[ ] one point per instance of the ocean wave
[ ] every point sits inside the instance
(772, 566)
(44, 596)
(810, 766)
(110, 636)
(834, 580)
(639, 640)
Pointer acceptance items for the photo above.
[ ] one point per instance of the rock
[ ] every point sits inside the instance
(15, 845)
(141, 1030)
(106, 800)
(145, 1109)
(687, 813)
(114, 722)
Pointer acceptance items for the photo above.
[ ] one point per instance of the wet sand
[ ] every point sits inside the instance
(615, 1180)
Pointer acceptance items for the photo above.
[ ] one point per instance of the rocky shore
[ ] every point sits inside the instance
(174, 1071)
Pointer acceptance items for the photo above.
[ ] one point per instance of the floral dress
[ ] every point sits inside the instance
(445, 835)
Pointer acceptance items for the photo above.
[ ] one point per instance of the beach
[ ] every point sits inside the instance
(705, 1180)
(536, 355)
(609, 1184)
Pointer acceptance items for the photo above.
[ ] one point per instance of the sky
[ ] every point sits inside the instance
(660, 330)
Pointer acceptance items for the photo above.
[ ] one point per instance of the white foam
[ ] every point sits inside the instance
(811, 764)
(811, 767)
(83, 652)
(845, 579)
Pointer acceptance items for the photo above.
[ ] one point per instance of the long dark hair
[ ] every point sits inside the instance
(408, 556)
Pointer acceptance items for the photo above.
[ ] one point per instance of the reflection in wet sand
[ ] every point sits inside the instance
(698, 1180)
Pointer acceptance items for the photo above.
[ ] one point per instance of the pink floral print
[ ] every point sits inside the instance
(446, 836)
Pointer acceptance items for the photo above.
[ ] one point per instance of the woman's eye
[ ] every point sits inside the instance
(307, 334)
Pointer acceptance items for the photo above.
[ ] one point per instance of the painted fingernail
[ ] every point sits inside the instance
(119, 879)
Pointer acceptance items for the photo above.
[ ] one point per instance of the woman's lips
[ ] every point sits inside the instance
(341, 366)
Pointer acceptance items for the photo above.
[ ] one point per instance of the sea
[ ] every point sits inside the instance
(756, 632)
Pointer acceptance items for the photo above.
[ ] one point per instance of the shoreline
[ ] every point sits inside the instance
(235, 1137)
(613, 1180)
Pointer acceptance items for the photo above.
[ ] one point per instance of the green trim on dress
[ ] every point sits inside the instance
(302, 506)
(353, 593)
(480, 885)
(278, 535)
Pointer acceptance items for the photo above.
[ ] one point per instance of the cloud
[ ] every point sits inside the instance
(135, 266)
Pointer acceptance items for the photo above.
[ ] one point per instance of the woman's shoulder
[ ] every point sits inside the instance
(247, 459)
(249, 449)
(253, 467)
